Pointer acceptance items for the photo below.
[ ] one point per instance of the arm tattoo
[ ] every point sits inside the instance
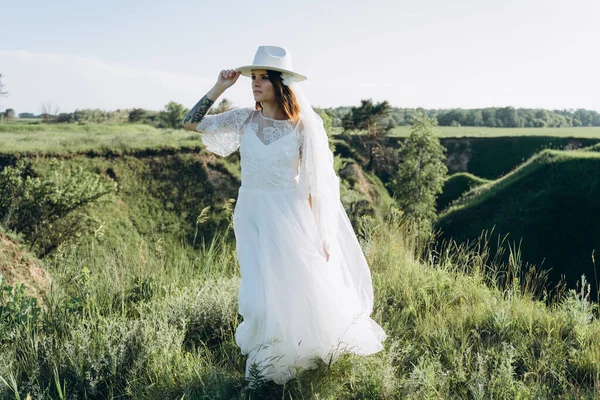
(199, 111)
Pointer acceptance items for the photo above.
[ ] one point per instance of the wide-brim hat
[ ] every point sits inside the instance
(273, 58)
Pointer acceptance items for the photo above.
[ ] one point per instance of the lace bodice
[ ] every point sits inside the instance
(270, 150)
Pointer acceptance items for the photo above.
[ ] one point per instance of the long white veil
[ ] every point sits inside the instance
(317, 174)
(317, 177)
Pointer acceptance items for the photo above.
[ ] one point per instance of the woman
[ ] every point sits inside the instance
(306, 288)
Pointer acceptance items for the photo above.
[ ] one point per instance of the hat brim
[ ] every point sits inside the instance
(246, 70)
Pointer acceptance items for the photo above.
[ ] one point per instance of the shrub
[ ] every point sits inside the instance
(48, 209)
(17, 310)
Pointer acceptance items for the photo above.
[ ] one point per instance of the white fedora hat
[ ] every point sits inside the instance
(273, 58)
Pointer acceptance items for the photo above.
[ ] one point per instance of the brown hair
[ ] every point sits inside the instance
(284, 96)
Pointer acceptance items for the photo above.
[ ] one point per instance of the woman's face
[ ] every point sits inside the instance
(262, 88)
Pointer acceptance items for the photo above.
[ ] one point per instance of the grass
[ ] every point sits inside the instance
(455, 186)
(61, 139)
(484, 157)
(491, 158)
(549, 203)
(131, 323)
(135, 310)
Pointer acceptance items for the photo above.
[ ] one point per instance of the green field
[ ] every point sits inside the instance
(156, 322)
(38, 137)
(60, 139)
(143, 302)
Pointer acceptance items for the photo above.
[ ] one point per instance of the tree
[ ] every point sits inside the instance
(477, 118)
(327, 124)
(136, 115)
(367, 116)
(173, 114)
(49, 111)
(9, 114)
(421, 173)
(508, 116)
(224, 105)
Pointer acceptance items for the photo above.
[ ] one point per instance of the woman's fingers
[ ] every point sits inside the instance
(229, 73)
(228, 77)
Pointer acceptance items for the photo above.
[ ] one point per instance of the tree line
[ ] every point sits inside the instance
(493, 117)
(372, 117)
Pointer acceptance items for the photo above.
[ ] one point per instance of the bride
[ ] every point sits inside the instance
(306, 289)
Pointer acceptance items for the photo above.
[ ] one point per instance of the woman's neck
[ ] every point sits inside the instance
(273, 111)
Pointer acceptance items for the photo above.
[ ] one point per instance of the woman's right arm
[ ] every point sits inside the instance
(226, 79)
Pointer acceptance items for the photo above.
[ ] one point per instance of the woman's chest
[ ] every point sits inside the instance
(269, 142)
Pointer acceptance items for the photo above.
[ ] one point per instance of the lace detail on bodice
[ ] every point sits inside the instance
(270, 154)
(270, 149)
(270, 133)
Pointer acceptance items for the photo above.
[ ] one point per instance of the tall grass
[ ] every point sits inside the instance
(158, 323)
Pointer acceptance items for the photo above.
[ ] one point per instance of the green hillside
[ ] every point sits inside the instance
(163, 193)
(455, 186)
(485, 157)
(551, 201)
(136, 322)
(143, 303)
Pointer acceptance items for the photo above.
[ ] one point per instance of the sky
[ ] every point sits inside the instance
(427, 53)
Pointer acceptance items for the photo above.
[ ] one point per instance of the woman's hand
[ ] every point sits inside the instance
(325, 248)
(227, 78)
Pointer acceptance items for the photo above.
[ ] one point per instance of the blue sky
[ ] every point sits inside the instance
(428, 53)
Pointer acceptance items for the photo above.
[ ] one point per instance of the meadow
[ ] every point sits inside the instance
(143, 304)
(64, 139)
(141, 322)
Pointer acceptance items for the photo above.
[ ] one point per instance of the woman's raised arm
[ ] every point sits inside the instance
(226, 79)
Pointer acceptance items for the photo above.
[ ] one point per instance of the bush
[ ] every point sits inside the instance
(48, 209)
(17, 310)
(65, 118)
(172, 116)
(100, 116)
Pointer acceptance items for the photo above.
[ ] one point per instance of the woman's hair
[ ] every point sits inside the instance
(284, 96)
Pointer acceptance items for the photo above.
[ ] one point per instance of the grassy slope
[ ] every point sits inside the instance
(132, 323)
(165, 181)
(455, 186)
(551, 201)
(18, 266)
(143, 319)
(487, 158)
(159, 195)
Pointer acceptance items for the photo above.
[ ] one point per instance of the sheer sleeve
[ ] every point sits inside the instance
(222, 133)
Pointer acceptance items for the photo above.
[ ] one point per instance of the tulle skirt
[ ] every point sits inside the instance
(296, 306)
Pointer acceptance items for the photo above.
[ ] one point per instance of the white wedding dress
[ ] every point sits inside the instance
(295, 305)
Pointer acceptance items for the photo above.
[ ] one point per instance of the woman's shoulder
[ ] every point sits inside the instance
(241, 110)
(247, 113)
(240, 114)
